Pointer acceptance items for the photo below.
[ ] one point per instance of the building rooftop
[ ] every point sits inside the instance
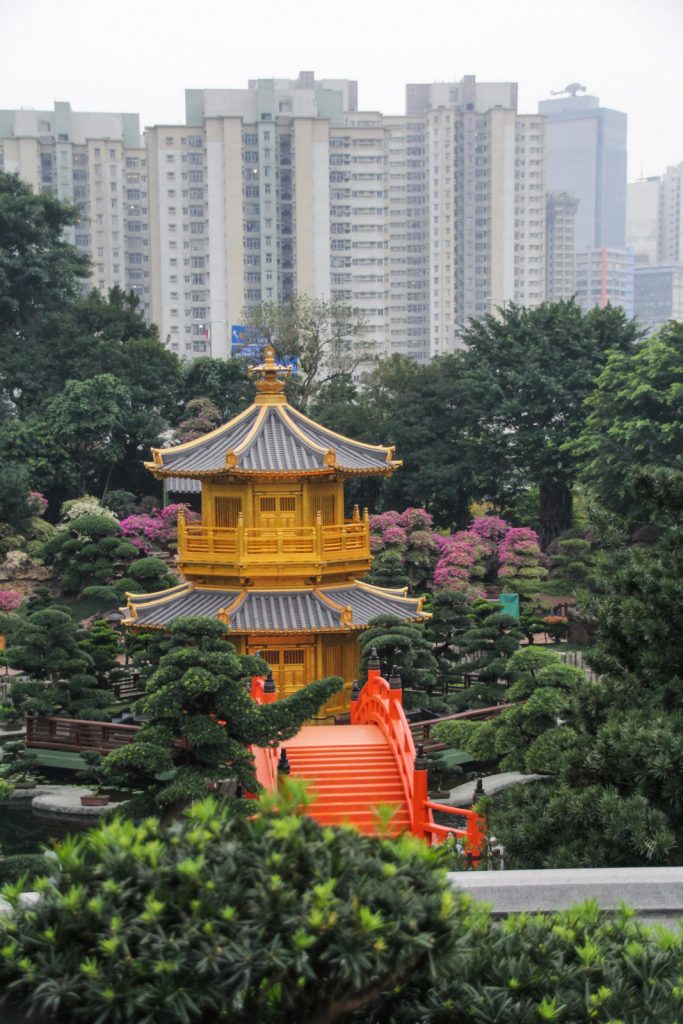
(271, 438)
(324, 609)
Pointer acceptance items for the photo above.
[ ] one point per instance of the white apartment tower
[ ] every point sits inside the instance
(97, 163)
(483, 216)
(670, 246)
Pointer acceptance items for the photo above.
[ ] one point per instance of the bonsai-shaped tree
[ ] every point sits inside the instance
(94, 559)
(387, 570)
(452, 617)
(526, 737)
(401, 644)
(103, 644)
(201, 719)
(45, 645)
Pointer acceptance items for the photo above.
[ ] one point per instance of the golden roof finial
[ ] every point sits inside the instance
(269, 387)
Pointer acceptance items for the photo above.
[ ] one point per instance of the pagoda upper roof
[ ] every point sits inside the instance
(337, 608)
(271, 438)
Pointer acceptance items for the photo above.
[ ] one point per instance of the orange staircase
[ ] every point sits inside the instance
(353, 769)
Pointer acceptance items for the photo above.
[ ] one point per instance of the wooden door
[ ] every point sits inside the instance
(226, 511)
(325, 505)
(288, 665)
(276, 511)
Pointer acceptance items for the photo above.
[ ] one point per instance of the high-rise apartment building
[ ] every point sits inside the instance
(97, 163)
(605, 275)
(483, 215)
(670, 248)
(658, 294)
(242, 209)
(586, 156)
(418, 221)
(642, 219)
(561, 210)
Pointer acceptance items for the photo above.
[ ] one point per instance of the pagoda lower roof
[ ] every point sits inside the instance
(273, 439)
(313, 610)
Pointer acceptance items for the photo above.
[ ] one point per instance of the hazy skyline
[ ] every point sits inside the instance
(140, 56)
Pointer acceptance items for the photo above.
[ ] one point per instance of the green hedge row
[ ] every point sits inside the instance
(277, 920)
(19, 865)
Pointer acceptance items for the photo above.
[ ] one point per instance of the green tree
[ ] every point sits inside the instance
(635, 419)
(531, 371)
(93, 558)
(387, 570)
(15, 508)
(201, 719)
(40, 274)
(223, 382)
(326, 339)
(89, 419)
(402, 645)
(624, 759)
(45, 645)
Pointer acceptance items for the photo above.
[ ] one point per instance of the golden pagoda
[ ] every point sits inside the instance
(274, 557)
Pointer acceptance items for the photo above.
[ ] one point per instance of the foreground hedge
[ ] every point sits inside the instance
(22, 865)
(276, 919)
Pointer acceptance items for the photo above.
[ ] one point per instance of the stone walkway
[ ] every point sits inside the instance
(462, 796)
(60, 800)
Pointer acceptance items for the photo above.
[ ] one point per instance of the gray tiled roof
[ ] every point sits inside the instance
(209, 452)
(277, 447)
(275, 610)
(367, 604)
(183, 485)
(284, 441)
(188, 602)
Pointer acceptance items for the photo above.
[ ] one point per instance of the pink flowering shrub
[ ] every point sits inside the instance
(416, 519)
(37, 503)
(156, 529)
(10, 600)
(490, 531)
(460, 566)
(410, 535)
(395, 536)
(522, 563)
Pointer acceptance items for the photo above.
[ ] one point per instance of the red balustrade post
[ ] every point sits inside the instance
(395, 687)
(269, 689)
(373, 667)
(476, 837)
(355, 694)
(419, 811)
(256, 688)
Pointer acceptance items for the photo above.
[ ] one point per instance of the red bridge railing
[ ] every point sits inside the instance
(381, 703)
(265, 758)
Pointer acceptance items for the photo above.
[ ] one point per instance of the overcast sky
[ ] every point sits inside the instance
(140, 55)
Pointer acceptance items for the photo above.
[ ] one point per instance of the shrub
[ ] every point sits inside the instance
(85, 506)
(24, 866)
(270, 919)
(121, 503)
(276, 920)
(10, 600)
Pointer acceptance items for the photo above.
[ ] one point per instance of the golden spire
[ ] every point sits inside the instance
(269, 387)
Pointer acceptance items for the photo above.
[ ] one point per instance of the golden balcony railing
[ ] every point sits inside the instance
(253, 546)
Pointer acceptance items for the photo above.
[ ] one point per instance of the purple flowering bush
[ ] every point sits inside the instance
(10, 600)
(408, 536)
(150, 531)
(461, 565)
(522, 563)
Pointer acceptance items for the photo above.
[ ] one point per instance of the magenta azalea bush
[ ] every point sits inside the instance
(522, 563)
(409, 534)
(461, 565)
(156, 529)
(37, 502)
(10, 600)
